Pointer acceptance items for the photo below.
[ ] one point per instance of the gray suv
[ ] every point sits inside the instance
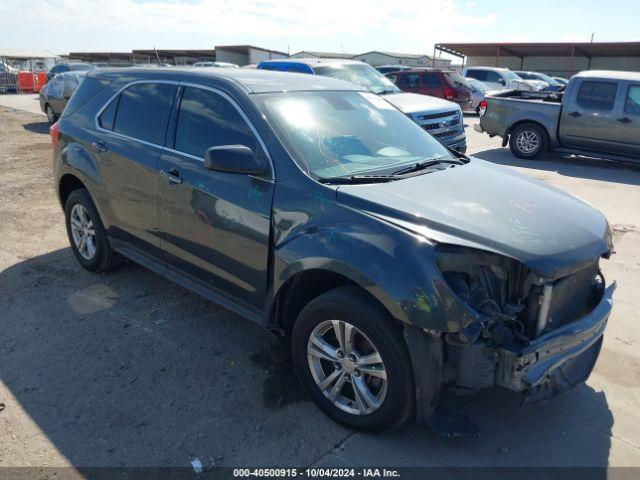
(320, 211)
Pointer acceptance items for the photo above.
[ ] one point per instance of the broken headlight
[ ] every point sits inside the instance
(494, 286)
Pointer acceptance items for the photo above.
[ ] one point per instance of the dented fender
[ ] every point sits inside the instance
(395, 266)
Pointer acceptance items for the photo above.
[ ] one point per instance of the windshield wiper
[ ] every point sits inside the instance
(426, 164)
(355, 179)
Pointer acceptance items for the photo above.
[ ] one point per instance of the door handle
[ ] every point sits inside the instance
(172, 175)
(100, 147)
(575, 114)
(624, 120)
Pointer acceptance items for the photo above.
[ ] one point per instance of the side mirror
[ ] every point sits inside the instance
(233, 159)
(502, 81)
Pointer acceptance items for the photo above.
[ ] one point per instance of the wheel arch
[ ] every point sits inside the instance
(67, 184)
(549, 138)
(300, 287)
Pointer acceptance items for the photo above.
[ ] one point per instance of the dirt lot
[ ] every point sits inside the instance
(128, 369)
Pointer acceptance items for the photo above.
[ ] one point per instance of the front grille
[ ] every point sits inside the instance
(448, 133)
(571, 297)
(431, 116)
(434, 126)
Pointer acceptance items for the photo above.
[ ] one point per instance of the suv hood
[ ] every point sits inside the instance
(481, 205)
(414, 102)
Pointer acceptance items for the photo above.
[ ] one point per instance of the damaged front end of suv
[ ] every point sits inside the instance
(529, 333)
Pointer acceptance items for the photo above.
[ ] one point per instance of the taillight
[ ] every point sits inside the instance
(449, 93)
(54, 131)
(482, 107)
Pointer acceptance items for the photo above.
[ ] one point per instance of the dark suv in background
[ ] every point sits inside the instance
(390, 265)
(447, 84)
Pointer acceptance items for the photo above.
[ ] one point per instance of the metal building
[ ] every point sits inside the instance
(376, 58)
(556, 59)
(313, 54)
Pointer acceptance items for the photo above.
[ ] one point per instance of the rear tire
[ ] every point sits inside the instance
(373, 396)
(87, 235)
(51, 115)
(528, 141)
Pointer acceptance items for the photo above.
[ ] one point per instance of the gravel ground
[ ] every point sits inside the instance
(128, 369)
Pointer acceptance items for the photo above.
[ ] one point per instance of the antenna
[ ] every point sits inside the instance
(592, 36)
(157, 56)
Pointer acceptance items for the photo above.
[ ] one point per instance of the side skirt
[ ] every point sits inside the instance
(186, 282)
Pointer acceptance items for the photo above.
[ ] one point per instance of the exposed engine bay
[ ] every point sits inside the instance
(516, 311)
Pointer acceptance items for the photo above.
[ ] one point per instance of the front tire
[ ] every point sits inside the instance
(87, 235)
(352, 360)
(528, 141)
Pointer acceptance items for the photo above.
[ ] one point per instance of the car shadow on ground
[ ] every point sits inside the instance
(569, 166)
(129, 369)
(37, 127)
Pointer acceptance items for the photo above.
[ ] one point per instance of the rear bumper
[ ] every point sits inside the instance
(559, 359)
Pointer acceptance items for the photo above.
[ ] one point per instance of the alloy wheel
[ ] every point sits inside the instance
(83, 232)
(528, 142)
(347, 367)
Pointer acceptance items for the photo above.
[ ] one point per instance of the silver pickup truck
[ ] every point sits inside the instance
(597, 115)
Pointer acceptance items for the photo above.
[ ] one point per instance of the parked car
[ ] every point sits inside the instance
(561, 80)
(479, 91)
(447, 84)
(598, 115)
(69, 67)
(384, 69)
(215, 64)
(497, 78)
(390, 265)
(441, 118)
(56, 93)
(549, 84)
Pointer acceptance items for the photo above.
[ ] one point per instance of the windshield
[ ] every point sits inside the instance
(333, 134)
(360, 74)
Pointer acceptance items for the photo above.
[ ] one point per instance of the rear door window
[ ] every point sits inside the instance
(431, 80)
(597, 95)
(206, 119)
(143, 111)
(632, 104)
(411, 80)
(477, 74)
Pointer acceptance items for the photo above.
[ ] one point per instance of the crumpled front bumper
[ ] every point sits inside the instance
(559, 359)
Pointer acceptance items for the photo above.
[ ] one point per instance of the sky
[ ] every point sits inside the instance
(353, 26)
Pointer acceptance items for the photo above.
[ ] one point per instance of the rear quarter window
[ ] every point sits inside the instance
(88, 89)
